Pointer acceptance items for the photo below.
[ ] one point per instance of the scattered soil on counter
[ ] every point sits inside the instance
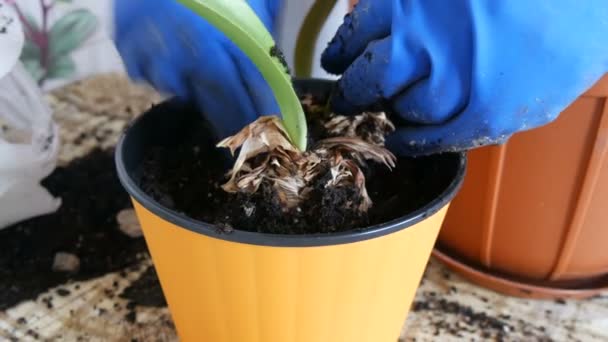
(187, 178)
(495, 328)
(146, 290)
(84, 226)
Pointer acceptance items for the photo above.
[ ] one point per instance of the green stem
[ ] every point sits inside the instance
(241, 25)
(309, 33)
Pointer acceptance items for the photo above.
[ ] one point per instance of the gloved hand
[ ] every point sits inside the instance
(466, 73)
(176, 51)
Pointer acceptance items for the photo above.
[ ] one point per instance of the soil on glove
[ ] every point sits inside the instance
(187, 178)
(84, 228)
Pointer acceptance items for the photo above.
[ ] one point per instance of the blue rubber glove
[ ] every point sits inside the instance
(172, 48)
(465, 73)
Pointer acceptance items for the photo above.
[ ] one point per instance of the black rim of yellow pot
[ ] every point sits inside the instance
(125, 174)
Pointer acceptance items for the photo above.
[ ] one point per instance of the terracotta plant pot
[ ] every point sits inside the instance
(532, 217)
(245, 286)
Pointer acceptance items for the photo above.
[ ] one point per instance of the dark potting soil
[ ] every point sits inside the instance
(146, 290)
(85, 226)
(187, 178)
(278, 54)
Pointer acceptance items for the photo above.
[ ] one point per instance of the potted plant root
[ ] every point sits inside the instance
(290, 191)
(307, 237)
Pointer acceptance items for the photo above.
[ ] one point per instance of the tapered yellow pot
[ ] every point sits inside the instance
(242, 286)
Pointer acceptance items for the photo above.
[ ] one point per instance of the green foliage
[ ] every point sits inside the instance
(61, 67)
(241, 25)
(70, 31)
(47, 53)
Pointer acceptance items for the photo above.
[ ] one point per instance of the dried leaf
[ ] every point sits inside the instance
(288, 190)
(262, 136)
(359, 149)
(359, 181)
(267, 157)
(267, 131)
(368, 126)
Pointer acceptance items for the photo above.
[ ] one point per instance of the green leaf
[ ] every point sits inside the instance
(70, 31)
(241, 25)
(30, 51)
(309, 33)
(62, 68)
(34, 68)
(32, 21)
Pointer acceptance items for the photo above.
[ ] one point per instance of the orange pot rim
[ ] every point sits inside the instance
(278, 240)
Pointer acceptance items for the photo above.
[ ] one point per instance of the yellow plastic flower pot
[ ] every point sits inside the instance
(243, 286)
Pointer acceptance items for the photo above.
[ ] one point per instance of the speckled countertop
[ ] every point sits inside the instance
(93, 112)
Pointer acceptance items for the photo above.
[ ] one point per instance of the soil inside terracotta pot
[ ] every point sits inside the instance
(187, 177)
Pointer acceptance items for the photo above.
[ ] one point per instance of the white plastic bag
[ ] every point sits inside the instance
(11, 37)
(29, 144)
(29, 140)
